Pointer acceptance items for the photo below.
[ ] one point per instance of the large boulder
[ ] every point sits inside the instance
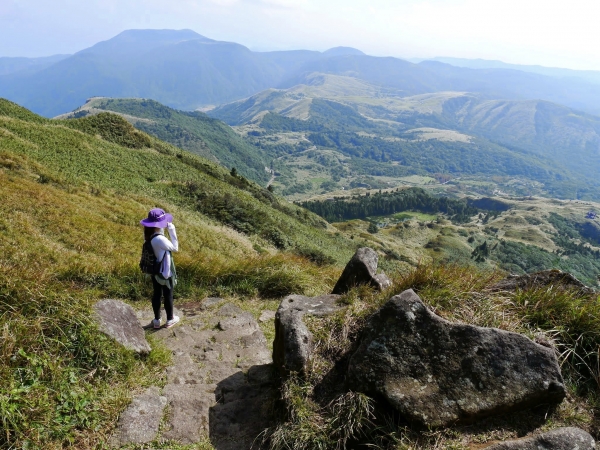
(435, 372)
(293, 343)
(552, 277)
(559, 439)
(119, 321)
(362, 269)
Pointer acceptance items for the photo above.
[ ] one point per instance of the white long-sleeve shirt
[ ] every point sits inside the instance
(162, 248)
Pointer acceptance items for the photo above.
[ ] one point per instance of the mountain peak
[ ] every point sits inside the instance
(163, 34)
(342, 51)
(142, 40)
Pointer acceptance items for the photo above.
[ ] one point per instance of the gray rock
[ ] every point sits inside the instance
(293, 342)
(140, 421)
(436, 373)
(189, 405)
(208, 392)
(240, 320)
(266, 316)
(210, 302)
(361, 269)
(244, 408)
(261, 374)
(553, 277)
(559, 439)
(119, 321)
(382, 281)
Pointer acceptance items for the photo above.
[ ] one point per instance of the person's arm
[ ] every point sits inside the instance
(160, 243)
(173, 235)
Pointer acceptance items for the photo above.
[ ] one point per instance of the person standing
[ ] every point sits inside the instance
(164, 282)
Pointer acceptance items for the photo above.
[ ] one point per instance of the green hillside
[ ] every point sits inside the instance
(192, 131)
(518, 235)
(332, 133)
(73, 192)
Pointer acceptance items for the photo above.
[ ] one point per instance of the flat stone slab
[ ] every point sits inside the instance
(220, 384)
(560, 439)
(210, 302)
(266, 316)
(119, 321)
(436, 373)
(189, 405)
(140, 421)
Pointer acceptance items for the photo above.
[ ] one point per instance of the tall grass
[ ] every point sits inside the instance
(62, 382)
(561, 317)
(69, 235)
(572, 321)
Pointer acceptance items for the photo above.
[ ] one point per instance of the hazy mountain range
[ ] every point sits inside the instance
(530, 126)
(387, 134)
(592, 76)
(185, 70)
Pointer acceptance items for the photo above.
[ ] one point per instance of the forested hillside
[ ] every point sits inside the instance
(192, 131)
(389, 203)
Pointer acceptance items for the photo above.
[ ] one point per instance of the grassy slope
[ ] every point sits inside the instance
(192, 131)
(70, 235)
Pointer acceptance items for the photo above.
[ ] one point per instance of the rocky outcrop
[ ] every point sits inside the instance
(293, 341)
(559, 439)
(435, 372)
(362, 269)
(119, 321)
(542, 279)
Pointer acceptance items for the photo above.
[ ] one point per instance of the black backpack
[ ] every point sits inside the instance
(148, 262)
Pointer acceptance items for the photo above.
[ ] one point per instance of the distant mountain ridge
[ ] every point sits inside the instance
(559, 145)
(592, 76)
(185, 70)
(27, 65)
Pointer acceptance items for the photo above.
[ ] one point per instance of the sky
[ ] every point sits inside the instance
(554, 33)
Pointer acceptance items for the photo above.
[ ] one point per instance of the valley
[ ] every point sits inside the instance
(336, 132)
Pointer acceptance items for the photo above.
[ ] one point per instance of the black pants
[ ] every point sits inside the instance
(162, 291)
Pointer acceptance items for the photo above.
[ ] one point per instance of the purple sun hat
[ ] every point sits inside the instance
(157, 218)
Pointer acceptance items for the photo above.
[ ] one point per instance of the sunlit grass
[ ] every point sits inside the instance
(69, 236)
(567, 319)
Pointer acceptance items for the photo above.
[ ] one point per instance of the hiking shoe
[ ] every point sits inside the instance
(172, 322)
(156, 323)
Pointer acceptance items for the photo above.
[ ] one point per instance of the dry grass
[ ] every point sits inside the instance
(62, 247)
(570, 321)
